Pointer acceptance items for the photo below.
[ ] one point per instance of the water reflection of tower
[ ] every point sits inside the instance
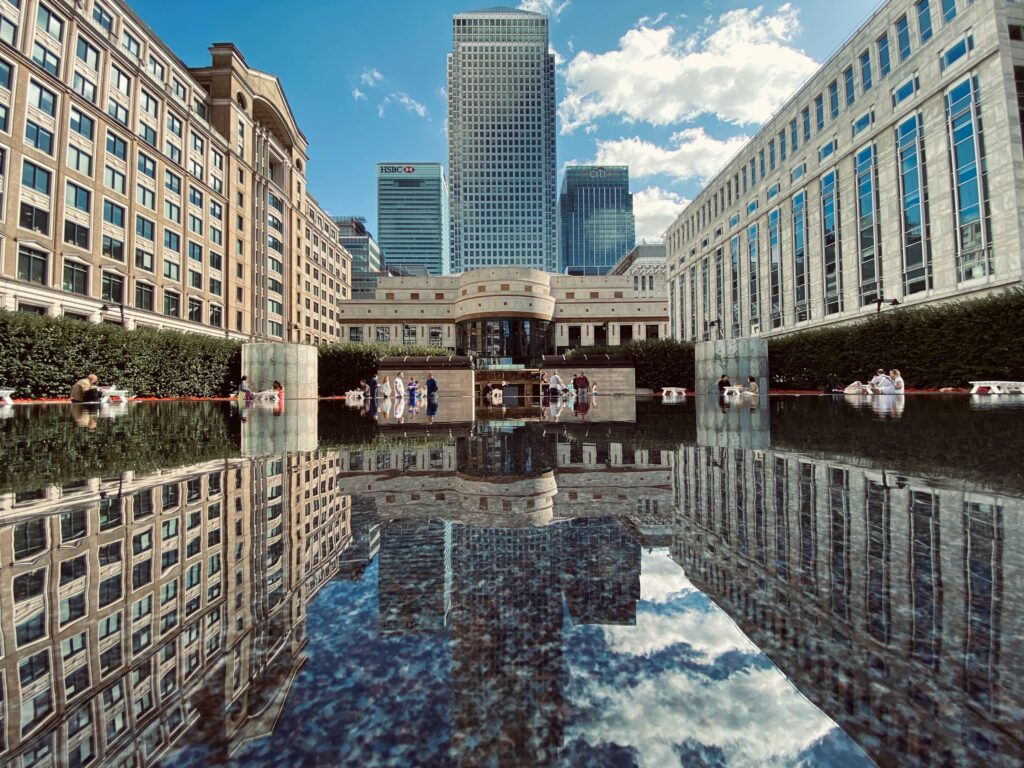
(366, 538)
(506, 645)
(601, 576)
(414, 576)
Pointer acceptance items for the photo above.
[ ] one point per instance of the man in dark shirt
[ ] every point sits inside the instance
(723, 383)
(373, 388)
(431, 385)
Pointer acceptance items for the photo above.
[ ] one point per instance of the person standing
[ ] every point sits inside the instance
(385, 388)
(897, 381)
(555, 384)
(372, 388)
(583, 386)
(432, 387)
(398, 387)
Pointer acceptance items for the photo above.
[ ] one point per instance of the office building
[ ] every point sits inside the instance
(506, 312)
(501, 141)
(595, 219)
(891, 177)
(412, 216)
(143, 192)
(366, 256)
(645, 265)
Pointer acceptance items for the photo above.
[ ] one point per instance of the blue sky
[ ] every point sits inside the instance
(670, 89)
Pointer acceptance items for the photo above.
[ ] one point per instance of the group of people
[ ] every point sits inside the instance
(881, 383)
(750, 388)
(578, 385)
(275, 394)
(398, 389)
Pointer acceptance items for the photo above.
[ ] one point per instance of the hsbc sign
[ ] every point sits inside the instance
(390, 169)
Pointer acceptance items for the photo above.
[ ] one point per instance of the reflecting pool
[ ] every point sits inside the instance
(794, 581)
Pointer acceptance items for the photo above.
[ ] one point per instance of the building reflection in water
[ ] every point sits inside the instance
(163, 617)
(887, 599)
(135, 610)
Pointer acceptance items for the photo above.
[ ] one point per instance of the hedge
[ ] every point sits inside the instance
(343, 365)
(44, 356)
(943, 345)
(659, 362)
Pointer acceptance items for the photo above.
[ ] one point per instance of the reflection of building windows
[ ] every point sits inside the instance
(408, 334)
(383, 334)
(839, 541)
(876, 512)
(925, 579)
(436, 338)
(983, 547)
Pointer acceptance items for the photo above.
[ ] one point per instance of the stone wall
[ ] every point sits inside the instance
(296, 366)
(737, 358)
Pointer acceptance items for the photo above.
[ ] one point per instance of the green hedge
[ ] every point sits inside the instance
(343, 365)
(944, 345)
(659, 362)
(44, 356)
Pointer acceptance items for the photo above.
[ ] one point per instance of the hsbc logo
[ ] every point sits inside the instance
(397, 168)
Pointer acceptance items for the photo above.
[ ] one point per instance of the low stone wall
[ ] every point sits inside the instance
(296, 366)
(736, 358)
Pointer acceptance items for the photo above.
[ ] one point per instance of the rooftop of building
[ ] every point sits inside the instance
(500, 10)
(643, 252)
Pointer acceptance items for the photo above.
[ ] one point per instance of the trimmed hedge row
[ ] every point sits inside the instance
(44, 356)
(659, 362)
(343, 365)
(944, 345)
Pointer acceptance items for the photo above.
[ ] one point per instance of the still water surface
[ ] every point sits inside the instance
(805, 581)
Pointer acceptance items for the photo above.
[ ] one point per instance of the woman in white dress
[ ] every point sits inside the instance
(385, 388)
(897, 381)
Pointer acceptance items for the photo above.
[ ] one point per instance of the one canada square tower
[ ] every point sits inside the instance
(501, 141)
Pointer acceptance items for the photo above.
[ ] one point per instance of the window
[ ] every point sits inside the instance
(903, 92)
(143, 259)
(45, 58)
(102, 17)
(35, 219)
(956, 52)
(76, 234)
(120, 81)
(948, 10)
(72, 608)
(42, 99)
(117, 146)
(826, 150)
(110, 590)
(216, 316)
(172, 270)
(113, 248)
(144, 228)
(924, 21)
(831, 256)
(869, 266)
(156, 68)
(32, 268)
(849, 86)
(29, 585)
(833, 99)
(50, 23)
(79, 160)
(78, 197)
(172, 304)
(865, 71)
(863, 122)
(172, 182)
(216, 287)
(775, 268)
(8, 31)
(31, 629)
(172, 241)
(902, 38)
(805, 119)
(82, 124)
(131, 45)
(148, 134)
(819, 111)
(113, 288)
(195, 310)
(969, 180)
(84, 88)
(172, 211)
(882, 46)
(113, 214)
(38, 137)
(195, 279)
(147, 165)
(6, 74)
(118, 111)
(144, 296)
(916, 257)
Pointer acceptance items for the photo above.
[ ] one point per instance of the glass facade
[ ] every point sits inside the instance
(734, 273)
(596, 227)
(970, 187)
(800, 303)
(868, 235)
(831, 258)
(367, 264)
(916, 256)
(752, 270)
(520, 339)
(501, 141)
(775, 267)
(412, 217)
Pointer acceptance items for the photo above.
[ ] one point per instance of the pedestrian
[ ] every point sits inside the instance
(723, 383)
(385, 388)
(583, 387)
(555, 385)
(372, 387)
(85, 390)
(432, 387)
(398, 387)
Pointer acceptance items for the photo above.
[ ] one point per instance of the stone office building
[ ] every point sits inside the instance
(891, 177)
(143, 192)
(506, 313)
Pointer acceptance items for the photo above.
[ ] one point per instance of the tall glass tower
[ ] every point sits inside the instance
(596, 227)
(412, 216)
(367, 262)
(501, 140)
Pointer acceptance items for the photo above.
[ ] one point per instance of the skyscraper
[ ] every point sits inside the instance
(501, 140)
(595, 219)
(367, 261)
(412, 216)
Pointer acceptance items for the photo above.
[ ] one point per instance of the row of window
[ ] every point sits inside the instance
(971, 247)
(835, 97)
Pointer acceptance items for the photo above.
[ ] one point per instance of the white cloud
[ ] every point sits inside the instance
(655, 209)
(740, 70)
(403, 100)
(691, 154)
(550, 8)
(370, 77)
(358, 95)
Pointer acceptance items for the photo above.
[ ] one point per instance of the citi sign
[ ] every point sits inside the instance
(397, 169)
